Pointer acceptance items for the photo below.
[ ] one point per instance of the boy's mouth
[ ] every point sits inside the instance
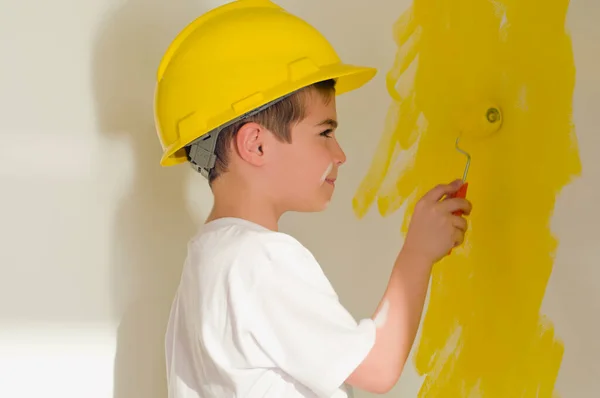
(330, 181)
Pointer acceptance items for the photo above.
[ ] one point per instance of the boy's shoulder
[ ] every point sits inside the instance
(236, 236)
(229, 230)
(237, 246)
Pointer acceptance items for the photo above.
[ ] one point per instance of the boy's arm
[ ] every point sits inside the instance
(433, 231)
(397, 317)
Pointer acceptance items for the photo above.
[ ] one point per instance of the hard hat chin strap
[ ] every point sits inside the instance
(201, 152)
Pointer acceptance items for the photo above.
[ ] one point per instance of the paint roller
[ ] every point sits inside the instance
(475, 125)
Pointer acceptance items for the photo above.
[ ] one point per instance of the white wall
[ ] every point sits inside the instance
(90, 253)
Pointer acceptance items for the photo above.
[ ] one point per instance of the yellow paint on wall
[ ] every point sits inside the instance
(483, 334)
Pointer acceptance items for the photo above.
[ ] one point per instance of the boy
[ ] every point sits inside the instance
(246, 94)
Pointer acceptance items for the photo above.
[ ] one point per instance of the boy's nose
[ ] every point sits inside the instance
(339, 157)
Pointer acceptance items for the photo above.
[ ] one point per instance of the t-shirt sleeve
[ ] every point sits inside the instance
(297, 321)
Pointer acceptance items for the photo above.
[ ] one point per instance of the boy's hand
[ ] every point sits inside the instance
(433, 229)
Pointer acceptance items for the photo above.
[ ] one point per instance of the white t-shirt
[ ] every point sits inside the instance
(255, 316)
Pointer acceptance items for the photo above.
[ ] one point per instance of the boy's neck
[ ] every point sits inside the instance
(240, 201)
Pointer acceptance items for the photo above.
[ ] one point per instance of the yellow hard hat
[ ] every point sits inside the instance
(236, 59)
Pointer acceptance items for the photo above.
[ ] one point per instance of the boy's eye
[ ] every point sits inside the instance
(327, 133)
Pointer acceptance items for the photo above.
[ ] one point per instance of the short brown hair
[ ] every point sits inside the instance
(277, 118)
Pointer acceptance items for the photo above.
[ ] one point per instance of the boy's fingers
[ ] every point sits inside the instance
(458, 237)
(455, 204)
(439, 191)
(460, 223)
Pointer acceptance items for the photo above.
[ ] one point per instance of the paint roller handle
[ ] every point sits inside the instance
(461, 193)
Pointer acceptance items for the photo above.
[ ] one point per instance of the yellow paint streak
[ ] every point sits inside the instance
(483, 335)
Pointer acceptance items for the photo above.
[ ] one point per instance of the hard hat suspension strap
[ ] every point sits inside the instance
(201, 152)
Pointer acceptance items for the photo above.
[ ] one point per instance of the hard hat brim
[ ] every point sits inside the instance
(348, 78)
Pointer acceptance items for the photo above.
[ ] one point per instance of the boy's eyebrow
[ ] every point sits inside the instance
(329, 122)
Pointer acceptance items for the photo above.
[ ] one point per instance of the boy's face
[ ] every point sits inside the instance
(307, 168)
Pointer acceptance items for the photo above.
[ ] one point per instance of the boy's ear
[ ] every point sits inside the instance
(250, 143)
